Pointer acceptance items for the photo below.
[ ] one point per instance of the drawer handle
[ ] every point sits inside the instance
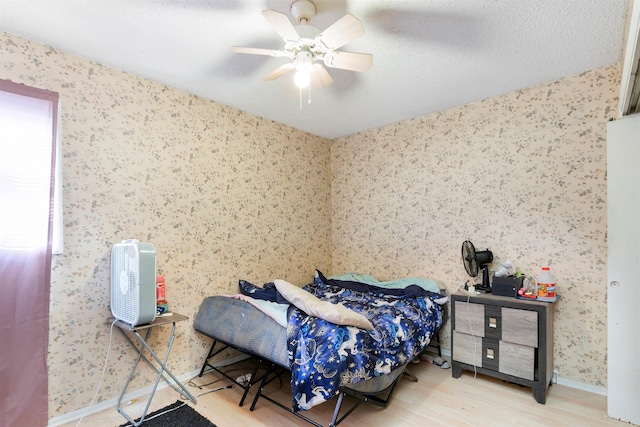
(493, 322)
(490, 353)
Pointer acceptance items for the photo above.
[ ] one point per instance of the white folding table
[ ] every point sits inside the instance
(124, 327)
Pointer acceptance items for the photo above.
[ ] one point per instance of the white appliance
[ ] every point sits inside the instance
(133, 282)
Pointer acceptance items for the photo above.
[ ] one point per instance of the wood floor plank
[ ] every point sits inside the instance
(435, 400)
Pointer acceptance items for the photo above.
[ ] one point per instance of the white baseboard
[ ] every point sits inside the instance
(562, 381)
(583, 386)
(111, 403)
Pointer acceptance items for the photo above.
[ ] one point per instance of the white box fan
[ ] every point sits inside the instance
(133, 282)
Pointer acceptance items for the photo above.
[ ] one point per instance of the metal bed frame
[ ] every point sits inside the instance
(274, 370)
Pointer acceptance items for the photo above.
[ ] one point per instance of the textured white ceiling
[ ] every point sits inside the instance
(428, 55)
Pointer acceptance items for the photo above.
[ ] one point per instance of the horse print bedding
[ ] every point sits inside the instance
(325, 357)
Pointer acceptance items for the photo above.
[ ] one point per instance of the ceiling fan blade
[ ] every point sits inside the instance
(283, 69)
(258, 51)
(343, 31)
(320, 77)
(349, 60)
(282, 25)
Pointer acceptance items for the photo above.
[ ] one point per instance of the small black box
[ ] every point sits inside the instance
(506, 286)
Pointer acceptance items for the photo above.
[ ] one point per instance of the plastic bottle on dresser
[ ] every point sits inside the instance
(546, 286)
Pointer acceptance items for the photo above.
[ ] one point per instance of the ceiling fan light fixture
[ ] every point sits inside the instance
(305, 45)
(304, 65)
(304, 61)
(302, 79)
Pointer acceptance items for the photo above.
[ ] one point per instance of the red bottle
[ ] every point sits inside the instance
(161, 291)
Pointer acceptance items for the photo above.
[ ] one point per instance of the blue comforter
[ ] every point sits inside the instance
(324, 357)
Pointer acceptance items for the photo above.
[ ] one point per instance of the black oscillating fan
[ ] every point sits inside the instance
(474, 260)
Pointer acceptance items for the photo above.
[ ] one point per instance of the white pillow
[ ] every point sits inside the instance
(313, 306)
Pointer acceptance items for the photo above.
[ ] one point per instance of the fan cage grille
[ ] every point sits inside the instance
(133, 283)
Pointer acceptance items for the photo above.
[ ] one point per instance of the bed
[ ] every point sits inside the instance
(341, 335)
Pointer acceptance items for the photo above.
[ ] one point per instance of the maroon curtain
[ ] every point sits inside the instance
(27, 162)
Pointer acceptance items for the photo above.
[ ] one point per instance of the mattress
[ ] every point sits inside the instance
(242, 326)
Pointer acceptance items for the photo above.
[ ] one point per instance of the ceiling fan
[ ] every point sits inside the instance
(309, 48)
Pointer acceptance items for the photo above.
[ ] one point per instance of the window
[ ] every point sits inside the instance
(28, 123)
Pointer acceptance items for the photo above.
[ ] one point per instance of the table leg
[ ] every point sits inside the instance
(160, 372)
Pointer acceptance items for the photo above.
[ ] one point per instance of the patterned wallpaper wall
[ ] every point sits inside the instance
(523, 174)
(225, 195)
(222, 195)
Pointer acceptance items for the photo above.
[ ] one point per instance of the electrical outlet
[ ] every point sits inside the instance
(554, 377)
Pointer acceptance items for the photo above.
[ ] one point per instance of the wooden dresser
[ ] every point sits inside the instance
(503, 337)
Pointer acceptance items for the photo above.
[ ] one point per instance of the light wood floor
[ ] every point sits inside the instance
(436, 399)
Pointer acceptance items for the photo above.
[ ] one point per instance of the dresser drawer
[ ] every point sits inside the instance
(469, 318)
(520, 326)
(517, 360)
(467, 348)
